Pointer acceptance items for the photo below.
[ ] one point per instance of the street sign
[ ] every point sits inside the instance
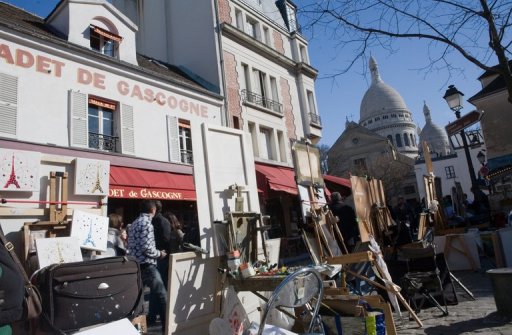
(465, 121)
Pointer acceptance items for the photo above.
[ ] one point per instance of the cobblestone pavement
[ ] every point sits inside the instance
(467, 317)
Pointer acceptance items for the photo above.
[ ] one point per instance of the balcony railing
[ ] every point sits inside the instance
(315, 119)
(257, 99)
(186, 157)
(103, 142)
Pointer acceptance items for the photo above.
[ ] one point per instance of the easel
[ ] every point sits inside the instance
(325, 254)
(56, 226)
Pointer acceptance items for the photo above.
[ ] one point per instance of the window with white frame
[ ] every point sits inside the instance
(313, 116)
(260, 84)
(185, 142)
(101, 124)
(266, 36)
(281, 146)
(100, 119)
(104, 41)
(292, 19)
(253, 27)
(247, 77)
(303, 54)
(267, 150)
(275, 106)
(239, 19)
(254, 138)
(450, 172)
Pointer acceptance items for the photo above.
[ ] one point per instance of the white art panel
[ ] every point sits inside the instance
(57, 250)
(19, 170)
(91, 176)
(91, 230)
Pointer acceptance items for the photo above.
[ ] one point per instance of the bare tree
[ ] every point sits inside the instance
(478, 30)
(324, 150)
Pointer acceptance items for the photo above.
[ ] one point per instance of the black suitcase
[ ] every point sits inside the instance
(81, 294)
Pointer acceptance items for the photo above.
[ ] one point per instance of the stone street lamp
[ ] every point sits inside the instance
(454, 99)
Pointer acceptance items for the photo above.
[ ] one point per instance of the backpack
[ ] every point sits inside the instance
(12, 291)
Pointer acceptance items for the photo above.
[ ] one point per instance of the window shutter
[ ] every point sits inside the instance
(79, 130)
(173, 139)
(8, 105)
(127, 130)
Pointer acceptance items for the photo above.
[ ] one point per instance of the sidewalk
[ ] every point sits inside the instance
(467, 317)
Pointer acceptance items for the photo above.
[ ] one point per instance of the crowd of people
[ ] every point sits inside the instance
(150, 238)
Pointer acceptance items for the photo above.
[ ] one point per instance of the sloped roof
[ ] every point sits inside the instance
(20, 20)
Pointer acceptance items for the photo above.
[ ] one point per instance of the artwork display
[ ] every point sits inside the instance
(307, 164)
(19, 170)
(57, 250)
(91, 230)
(91, 176)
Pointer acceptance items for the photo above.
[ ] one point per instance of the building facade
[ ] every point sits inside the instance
(78, 98)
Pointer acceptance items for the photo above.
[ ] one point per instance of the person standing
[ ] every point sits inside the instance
(116, 238)
(162, 239)
(347, 221)
(141, 245)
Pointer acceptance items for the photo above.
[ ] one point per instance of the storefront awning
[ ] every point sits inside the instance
(134, 183)
(338, 184)
(276, 178)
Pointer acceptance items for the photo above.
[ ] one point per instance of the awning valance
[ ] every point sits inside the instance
(276, 178)
(338, 184)
(126, 182)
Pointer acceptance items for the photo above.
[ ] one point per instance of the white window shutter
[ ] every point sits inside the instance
(8, 105)
(173, 139)
(127, 130)
(79, 129)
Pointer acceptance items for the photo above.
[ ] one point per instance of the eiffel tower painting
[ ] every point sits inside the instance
(12, 178)
(97, 184)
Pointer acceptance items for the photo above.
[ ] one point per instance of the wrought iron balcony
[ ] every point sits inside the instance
(315, 119)
(103, 142)
(186, 157)
(257, 99)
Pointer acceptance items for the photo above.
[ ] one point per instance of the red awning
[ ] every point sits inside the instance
(276, 178)
(338, 184)
(134, 183)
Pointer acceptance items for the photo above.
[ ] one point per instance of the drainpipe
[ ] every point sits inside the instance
(225, 115)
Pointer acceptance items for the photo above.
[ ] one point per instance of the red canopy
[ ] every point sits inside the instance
(276, 178)
(126, 182)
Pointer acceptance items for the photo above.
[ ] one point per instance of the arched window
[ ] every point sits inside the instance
(412, 140)
(398, 140)
(406, 140)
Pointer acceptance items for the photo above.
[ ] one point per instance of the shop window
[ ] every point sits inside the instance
(450, 172)
(104, 41)
(8, 105)
(101, 124)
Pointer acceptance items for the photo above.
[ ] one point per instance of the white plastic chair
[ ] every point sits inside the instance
(302, 288)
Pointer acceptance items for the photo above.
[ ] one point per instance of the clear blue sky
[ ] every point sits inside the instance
(339, 99)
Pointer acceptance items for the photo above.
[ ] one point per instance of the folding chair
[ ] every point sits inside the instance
(422, 281)
(303, 288)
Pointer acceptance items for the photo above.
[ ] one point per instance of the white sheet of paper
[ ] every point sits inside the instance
(57, 250)
(123, 326)
(91, 230)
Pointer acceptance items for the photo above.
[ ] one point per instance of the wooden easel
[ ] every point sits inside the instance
(57, 226)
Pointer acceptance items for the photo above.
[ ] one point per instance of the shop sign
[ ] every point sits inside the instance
(147, 193)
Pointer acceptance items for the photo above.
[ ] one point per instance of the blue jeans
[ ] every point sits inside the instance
(157, 291)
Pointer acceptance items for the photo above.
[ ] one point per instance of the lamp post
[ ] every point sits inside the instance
(454, 99)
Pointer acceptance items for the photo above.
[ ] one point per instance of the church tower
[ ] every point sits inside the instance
(384, 112)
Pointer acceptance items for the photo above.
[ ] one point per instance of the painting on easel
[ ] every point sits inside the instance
(91, 230)
(91, 176)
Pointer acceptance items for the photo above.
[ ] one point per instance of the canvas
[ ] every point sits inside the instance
(91, 176)
(19, 170)
(57, 250)
(90, 229)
